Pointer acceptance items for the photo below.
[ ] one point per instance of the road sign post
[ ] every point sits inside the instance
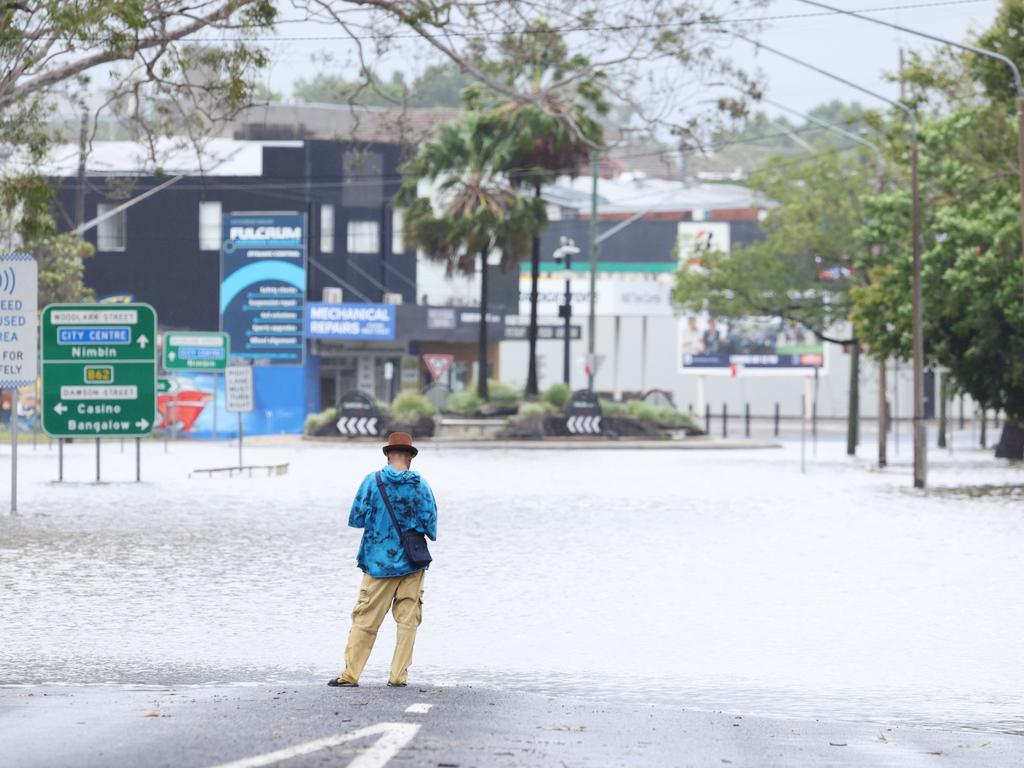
(188, 351)
(99, 371)
(19, 360)
(238, 386)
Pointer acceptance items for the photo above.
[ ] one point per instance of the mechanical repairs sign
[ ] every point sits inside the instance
(99, 370)
(19, 358)
(263, 286)
(369, 322)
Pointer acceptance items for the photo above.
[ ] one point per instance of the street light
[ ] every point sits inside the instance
(917, 312)
(565, 252)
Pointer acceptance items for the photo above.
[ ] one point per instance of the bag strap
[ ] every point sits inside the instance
(387, 503)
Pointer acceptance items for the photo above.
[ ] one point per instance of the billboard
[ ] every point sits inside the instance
(263, 286)
(615, 297)
(699, 237)
(713, 345)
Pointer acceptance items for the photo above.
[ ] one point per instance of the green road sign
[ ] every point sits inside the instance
(186, 351)
(165, 386)
(99, 370)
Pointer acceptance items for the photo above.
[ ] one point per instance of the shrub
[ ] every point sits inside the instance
(529, 411)
(667, 416)
(502, 394)
(641, 411)
(410, 407)
(463, 403)
(612, 408)
(557, 395)
(315, 422)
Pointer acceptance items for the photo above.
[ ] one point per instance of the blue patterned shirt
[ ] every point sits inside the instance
(380, 552)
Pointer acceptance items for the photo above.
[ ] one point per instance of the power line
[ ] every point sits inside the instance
(560, 30)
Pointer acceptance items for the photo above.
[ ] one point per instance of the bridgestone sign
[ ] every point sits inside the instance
(99, 370)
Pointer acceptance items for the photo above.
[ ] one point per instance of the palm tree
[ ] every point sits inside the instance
(551, 133)
(473, 211)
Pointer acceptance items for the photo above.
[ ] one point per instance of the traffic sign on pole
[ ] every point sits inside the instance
(438, 365)
(19, 357)
(186, 351)
(238, 385)
(99, 370)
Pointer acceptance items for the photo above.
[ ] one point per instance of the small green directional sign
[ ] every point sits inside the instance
(188, 351)
(99, 370)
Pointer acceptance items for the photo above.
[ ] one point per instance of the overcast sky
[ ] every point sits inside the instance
(855, 49)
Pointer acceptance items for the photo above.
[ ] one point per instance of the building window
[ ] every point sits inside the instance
(397, 231)
(111, 233)
(326, 229)
(209, 226)
(362, 182)
(363, 237)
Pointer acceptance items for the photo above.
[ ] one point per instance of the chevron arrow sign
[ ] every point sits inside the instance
(584, 425)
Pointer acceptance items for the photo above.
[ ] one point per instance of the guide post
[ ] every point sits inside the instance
(19, 359)
(99, 371)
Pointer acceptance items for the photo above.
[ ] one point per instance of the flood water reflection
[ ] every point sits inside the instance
(712, 579)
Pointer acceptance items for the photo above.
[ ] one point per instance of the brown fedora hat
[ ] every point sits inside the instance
(400, 441)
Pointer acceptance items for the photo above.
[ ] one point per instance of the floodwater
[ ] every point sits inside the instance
(710, 579)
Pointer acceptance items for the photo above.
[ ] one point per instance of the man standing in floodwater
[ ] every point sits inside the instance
(391, 580)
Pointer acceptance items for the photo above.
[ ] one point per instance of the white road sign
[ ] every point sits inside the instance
(19, 320)
(238, 383)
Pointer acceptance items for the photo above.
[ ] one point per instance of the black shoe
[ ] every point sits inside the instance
(396, 685)
(339, 683)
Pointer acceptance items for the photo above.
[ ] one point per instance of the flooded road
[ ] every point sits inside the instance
(720, 579)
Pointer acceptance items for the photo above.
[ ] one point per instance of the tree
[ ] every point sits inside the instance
(167, 69)
(542, 145)
(473, 211)
(971, 260)
(440, 85)
(805, 267)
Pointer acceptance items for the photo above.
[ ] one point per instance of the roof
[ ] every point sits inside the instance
(218, 157)
(635, 193)
(343, 122)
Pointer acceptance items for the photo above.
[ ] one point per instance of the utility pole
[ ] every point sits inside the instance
(917, 314)
(595, 167)
(532, 388)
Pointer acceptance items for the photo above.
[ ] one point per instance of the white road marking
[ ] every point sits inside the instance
(393, 736)
(419, 708)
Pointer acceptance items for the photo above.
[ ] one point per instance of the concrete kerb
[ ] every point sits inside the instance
(582, 443)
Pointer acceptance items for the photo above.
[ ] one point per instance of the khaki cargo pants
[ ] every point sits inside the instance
(404, 596)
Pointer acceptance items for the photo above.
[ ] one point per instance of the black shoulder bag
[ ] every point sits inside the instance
(414, 543)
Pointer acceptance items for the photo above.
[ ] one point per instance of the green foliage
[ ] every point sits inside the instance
(972, 280)
(529, 411)
(668, 417)
(154, 82)
(464, 403)
(438, 86)
(318, 421)
(60, 260)
(502, 394)
(410, 407)
(641, 411)
(612, 408)
(557, 395)
(812, 229)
